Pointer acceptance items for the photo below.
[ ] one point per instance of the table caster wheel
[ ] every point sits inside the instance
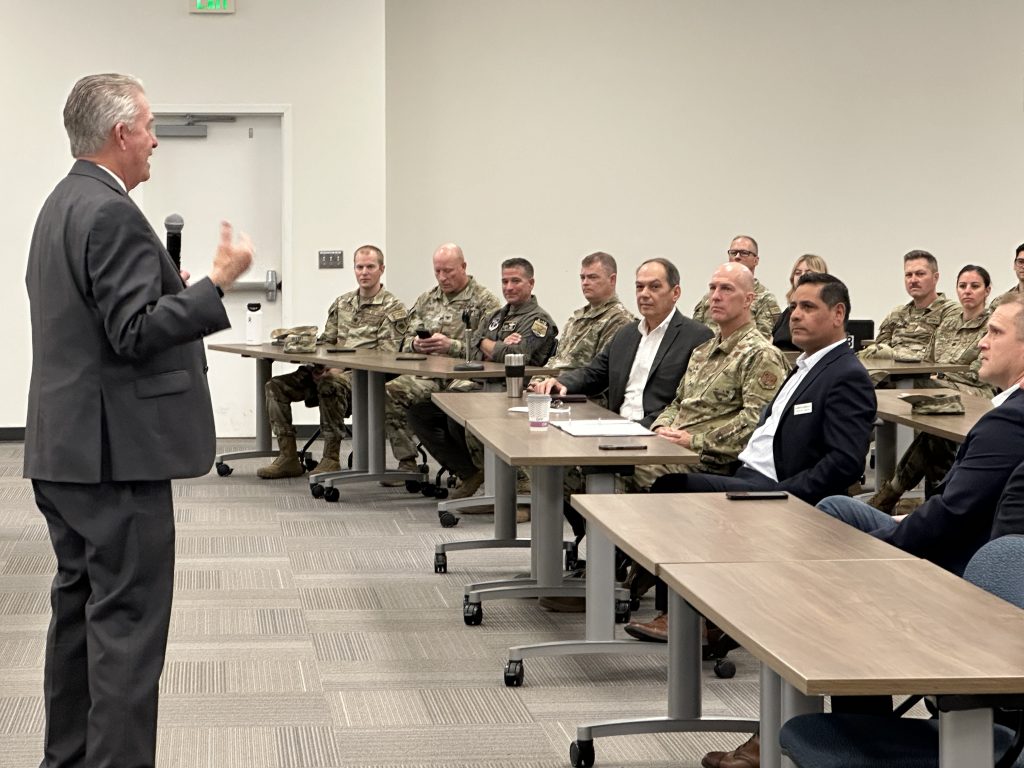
(317, 490)
(441, 493)
(622, 611)
(412, 486)
(725, 669)
(513, 673)
(634, 603)
(223, 469)
(581, 754)
(309, 463)
(448, 520)
(440, 562)
(331, 494)
(472, 614)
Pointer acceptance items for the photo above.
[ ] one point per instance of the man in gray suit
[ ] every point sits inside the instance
(118, 405)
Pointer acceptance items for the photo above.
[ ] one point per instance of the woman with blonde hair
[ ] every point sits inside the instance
(806, 263)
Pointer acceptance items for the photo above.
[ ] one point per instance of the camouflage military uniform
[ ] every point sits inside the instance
(929, 457)
(727, 385)
(447, 442)
(1010, 294)
(437, 313)
(765, 310)
(909, 331)
(588, 332)
(377, 323)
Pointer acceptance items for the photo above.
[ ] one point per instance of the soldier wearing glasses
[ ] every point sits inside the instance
(765, 308)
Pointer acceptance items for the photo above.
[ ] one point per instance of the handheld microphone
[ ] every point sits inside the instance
(174, 224)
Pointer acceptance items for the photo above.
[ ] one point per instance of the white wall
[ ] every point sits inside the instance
(325, 59)
(551, 128)
(855, 130)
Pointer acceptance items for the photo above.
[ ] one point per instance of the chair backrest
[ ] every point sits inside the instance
(858, 331)
(998, 567)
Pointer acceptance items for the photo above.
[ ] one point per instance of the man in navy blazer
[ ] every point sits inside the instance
(118, 405)
(958, 518)
(812, 438)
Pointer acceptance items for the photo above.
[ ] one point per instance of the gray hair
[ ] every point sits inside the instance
(95, 105)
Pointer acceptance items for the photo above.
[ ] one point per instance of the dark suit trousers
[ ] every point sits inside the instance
(111, 601)
(684, 482)
(442, 438)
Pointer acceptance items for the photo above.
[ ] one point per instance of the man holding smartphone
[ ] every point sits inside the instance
(437, 324)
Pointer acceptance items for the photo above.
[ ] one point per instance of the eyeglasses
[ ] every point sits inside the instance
(1018, 262)
(741, 254)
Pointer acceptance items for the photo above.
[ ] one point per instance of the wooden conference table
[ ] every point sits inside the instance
(657, 530)
(370, 370)
(463, 406)
(547, 453)
(839, 627)
(893, 411)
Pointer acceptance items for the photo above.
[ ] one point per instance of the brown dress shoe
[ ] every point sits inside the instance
(746, 755)
(655, 630)
(713, 759)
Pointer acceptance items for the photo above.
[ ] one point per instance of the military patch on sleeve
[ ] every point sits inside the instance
(768, 380)
(539, 328)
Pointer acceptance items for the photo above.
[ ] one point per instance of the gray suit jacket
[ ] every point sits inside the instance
(118, 389)
(610, 369)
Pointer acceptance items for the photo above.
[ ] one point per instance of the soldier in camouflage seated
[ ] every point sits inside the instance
(436, 327)
(909, 328)
(370, 318)
(956, 339)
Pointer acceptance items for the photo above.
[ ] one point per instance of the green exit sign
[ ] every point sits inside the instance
(211, 6)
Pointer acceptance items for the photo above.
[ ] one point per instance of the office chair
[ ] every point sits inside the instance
(879, 741)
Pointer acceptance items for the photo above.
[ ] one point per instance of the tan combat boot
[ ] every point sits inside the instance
(885, 498)
(287, 462)
(329, 462)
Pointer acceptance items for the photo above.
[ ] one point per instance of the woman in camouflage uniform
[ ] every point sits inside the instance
(955, 341)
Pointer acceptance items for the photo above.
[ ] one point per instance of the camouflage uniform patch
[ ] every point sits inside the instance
(719, 401)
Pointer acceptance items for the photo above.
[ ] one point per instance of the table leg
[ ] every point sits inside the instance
(369, 441)
(885, 452)
(684, 689)
(794, 703)
(264, 436)
(771, 717)
(965, 738)
(505, 500)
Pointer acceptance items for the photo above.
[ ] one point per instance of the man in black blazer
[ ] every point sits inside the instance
(118, 405)
(657, 291)
(642, 364)
(958, 518)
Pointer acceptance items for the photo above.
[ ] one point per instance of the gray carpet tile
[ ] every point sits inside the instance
(314, 635)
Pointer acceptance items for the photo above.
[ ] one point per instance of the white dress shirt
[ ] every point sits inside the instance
(1004, 395)
(759, 454)
(633, 403)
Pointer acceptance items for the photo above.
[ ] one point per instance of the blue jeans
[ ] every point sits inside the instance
(855, 512)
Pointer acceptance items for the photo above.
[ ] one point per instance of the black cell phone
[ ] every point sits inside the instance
(754, 495)
(622, 446)
(339, 350)
(567, 398)
(423, 333)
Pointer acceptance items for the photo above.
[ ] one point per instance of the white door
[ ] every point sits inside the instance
(235, 174)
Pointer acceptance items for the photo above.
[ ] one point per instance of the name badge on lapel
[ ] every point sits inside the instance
(801, 408)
